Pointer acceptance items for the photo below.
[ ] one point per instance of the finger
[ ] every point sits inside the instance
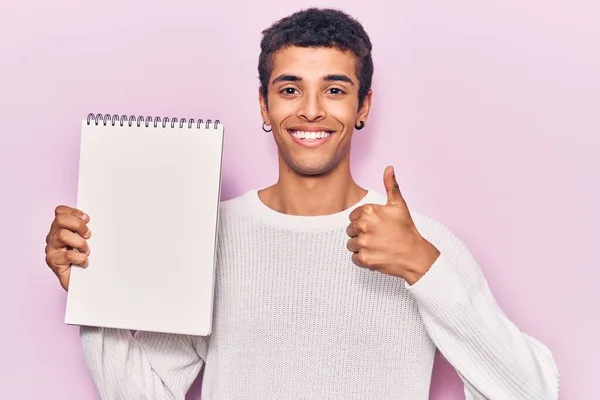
(357, 227)
(60, 263)
(65, 237)
(351, 230)
(355, 259)
(366, 259)
(353, 245)
(356, 213)
(72, 223)
(394, 196)
(61, 260)
(62, 209)
(361, 259)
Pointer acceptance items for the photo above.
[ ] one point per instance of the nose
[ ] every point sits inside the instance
(311, 107)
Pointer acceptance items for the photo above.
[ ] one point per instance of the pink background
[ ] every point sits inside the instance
(488, 110)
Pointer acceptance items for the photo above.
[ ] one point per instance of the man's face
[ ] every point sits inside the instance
(313, 107)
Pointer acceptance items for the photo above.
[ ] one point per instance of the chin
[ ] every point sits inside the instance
(311, 167)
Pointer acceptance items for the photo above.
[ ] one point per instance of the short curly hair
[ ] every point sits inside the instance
(318, 27)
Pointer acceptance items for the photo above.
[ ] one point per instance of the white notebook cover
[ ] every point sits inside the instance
(152, 194)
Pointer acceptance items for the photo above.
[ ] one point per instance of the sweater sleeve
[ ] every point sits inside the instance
(147, 365)
(494, 359)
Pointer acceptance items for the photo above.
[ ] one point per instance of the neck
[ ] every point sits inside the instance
(297, 194)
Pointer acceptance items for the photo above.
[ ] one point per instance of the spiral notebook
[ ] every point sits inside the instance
(152, 189)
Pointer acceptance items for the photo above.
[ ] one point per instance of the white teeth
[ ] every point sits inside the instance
(310, 135)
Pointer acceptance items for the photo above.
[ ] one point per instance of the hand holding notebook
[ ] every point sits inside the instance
(66, 243)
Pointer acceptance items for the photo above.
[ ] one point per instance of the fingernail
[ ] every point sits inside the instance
(86, 217)
(88, 234)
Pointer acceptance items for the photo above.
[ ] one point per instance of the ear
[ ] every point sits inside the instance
(264, 108)
(365, 108)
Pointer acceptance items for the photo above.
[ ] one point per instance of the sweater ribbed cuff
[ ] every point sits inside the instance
(440, 289)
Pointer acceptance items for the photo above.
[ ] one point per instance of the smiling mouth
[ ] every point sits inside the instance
(310, 135)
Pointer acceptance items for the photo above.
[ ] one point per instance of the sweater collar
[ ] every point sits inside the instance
(337, 220)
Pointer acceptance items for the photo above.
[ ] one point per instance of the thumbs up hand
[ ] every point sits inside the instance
(384, 238)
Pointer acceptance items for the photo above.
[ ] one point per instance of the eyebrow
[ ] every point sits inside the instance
(342, 78)
(328, 78)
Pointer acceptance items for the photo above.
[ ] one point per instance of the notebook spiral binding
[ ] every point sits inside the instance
(106, 119)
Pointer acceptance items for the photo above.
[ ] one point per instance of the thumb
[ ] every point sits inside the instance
(394, 196)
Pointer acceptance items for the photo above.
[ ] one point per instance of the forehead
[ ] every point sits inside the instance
(308, 62)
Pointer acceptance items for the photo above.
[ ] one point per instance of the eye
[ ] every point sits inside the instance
(335, 91)
(288, 91)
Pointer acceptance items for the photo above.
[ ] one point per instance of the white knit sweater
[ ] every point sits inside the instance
(296, 319)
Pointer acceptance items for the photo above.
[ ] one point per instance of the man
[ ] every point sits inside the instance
(324, 289)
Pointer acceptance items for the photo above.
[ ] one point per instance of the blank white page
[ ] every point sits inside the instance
(152, 194)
